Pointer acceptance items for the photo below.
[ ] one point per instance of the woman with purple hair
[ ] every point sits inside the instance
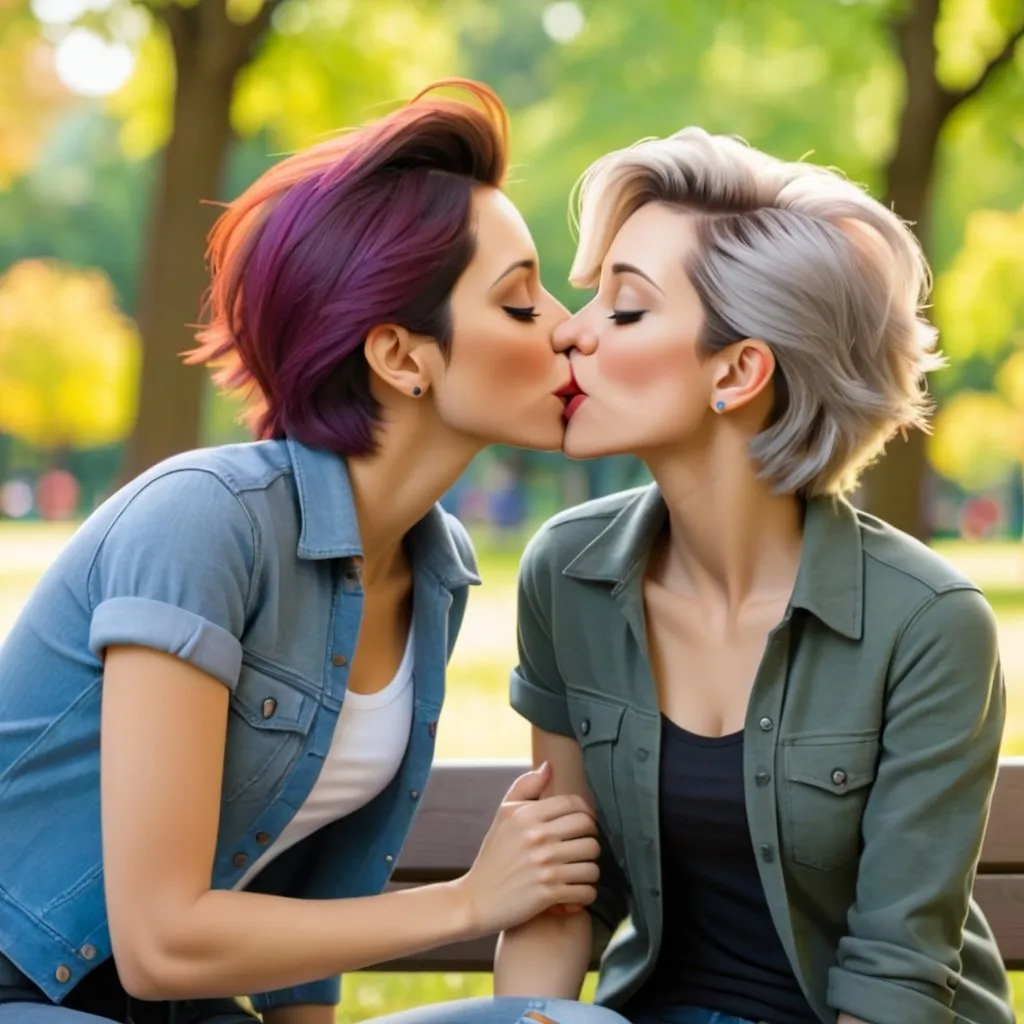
(218, 709)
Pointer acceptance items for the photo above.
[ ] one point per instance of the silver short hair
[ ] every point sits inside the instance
(801, 258)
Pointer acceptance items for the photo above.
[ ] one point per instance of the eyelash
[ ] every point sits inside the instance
(522, 313)
(627, 316)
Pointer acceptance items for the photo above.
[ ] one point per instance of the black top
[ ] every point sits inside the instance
(719, 947)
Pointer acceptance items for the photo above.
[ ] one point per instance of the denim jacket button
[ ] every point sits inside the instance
(63, 974)
(766, 724)
(585, 726)
(838, 777)
(388, 858)
(262, 838)
(240, 860)
(88, 952)
(339, 660)
(414, 794)
(269, 707)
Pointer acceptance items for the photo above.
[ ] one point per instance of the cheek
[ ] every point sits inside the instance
(642, 363)
(507, 362)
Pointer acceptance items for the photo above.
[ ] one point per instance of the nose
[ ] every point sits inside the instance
(574, 333)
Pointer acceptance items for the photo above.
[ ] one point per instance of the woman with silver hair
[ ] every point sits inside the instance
(786, 713)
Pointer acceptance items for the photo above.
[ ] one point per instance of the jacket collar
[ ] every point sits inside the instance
(330, 528)
(829, 583)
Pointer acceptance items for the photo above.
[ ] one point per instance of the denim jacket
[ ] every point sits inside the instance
(245, 561)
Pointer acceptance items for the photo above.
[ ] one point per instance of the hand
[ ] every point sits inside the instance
(538, 853)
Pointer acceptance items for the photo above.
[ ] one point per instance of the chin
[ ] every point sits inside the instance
(551, 441)
(538, 439)
(578, 445)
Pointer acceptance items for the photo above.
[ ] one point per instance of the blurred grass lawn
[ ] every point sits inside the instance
(477, 696)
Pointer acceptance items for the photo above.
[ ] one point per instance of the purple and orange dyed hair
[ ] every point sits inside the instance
(370, 227)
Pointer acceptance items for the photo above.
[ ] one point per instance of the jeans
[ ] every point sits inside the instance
(467, 1011)
(685, 1015)
(219, 1011)
(508, 1010)
(100, 999)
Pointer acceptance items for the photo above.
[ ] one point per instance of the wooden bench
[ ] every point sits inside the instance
(460, 801)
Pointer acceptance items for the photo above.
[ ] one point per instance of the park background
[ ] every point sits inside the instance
(118, 117)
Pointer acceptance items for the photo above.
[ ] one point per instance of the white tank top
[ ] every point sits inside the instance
(366, 751)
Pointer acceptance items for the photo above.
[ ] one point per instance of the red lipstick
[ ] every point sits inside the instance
(572, 395)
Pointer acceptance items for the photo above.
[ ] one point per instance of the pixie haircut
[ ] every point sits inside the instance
(801, 258)
(371, 226)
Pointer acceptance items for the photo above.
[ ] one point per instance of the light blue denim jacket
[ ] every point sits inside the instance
(244, 561)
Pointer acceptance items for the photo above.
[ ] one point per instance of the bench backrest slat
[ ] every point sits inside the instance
(460, 801)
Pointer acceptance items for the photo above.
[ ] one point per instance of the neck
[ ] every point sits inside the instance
(417, 460)
(731, 539)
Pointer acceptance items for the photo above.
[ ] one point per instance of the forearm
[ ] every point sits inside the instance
(845, 1018)
(547, 957)
(231, 942)
(305, 1014)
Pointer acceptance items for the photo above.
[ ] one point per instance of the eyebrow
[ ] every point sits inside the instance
(518, 265)
(628, 268)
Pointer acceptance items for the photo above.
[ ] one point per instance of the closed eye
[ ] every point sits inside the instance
(627, 316)
(522, 313)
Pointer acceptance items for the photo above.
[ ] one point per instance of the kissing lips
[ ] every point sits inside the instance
(572, 405)
(572, 395)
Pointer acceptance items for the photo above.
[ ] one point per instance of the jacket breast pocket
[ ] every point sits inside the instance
(269, 719)
(828, 779)
(596, 724)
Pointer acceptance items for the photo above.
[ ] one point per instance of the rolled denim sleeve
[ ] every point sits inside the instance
(925, 817)
(174, 573)
(537, 689)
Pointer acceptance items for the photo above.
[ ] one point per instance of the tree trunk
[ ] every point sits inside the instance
(209, 50)
(895, 487)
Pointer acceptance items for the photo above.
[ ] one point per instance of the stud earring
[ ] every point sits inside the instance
(719, 405)
(417, 391)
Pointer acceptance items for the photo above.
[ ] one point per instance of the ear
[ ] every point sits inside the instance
(743, 371)
(396, 357)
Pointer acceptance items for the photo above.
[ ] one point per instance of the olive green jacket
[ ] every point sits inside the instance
(871, 748)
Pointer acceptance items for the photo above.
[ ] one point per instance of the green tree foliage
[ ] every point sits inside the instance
(828, 80)
(980, 432)
(908, 98)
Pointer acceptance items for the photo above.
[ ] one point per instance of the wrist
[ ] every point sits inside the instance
(460, 910)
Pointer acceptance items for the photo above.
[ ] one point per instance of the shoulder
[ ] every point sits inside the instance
(926, 595)
(565, 535)
(193, 502)
(895, 559)
(209, 488)
(237, 468)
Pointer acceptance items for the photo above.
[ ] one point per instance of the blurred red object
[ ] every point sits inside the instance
(980, 518)
(57, 494)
